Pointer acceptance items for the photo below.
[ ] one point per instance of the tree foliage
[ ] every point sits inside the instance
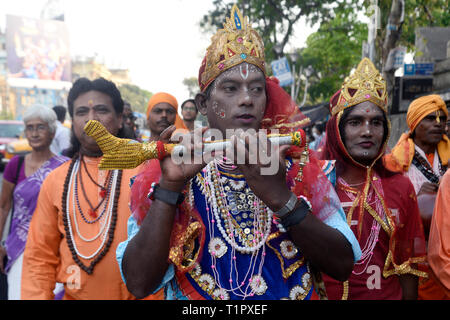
(417, 13)
(396, 29)
(273, 19)
(137, 97)
(192, 86)
(336, 47)
(332, 51)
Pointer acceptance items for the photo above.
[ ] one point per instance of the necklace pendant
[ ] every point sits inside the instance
(103, 193)
(92, 213)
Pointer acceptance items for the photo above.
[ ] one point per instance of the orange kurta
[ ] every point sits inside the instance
(47, 258)
(439, 240)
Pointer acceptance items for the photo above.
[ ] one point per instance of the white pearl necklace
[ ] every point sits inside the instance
(212, 198)
(252, 283)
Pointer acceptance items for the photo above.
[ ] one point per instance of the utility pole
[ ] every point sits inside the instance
(295, 86)
(373, 25)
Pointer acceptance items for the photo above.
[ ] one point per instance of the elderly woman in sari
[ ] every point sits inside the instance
(22, 180)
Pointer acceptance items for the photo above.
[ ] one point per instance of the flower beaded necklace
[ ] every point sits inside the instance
(262, 216)
(223, 216)
(109, 220)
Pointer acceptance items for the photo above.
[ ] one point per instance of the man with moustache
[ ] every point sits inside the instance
(162, 112)
(422, 154)
(82, 211)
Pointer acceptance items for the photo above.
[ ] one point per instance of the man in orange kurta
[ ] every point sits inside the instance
(82, 212)
(422, 154)
(48, 258)
(439, 241)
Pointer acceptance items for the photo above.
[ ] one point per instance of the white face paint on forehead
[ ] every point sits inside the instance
(244, 69)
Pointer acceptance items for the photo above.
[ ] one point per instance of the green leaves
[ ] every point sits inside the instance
(137, 97)
(332, 52)
(336, 47)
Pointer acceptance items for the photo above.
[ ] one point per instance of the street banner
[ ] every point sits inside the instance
(282, 71)
(37, 50)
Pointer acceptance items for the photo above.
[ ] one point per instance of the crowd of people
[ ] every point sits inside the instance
(341, 218)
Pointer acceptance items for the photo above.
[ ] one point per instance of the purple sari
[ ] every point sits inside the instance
(25, 198)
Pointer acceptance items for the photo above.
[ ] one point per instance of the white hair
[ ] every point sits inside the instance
(42, 112)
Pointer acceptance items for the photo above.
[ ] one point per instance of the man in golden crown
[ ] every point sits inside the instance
(380, 205)
(221, 229)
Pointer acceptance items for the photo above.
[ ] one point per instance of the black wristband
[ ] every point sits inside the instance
(164, 195)
(296, 216)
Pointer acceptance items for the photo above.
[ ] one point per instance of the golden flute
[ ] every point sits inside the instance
(127, 154)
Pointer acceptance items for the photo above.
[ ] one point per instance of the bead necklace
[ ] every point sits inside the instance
(106, 221)
(372, 239)
(225, 164)
(110, 222)
(103, 192)
(104, 200)
(103, 188)
(222, 211)
(217, 210)
(102, 229)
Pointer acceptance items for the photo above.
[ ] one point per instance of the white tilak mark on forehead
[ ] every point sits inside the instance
(243, 69)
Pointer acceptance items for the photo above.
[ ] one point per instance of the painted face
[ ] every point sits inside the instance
(38, 134)
(161, 117)
(238, 99)
(429, 131)
(94, 105)
(363, 132)
(189, 111)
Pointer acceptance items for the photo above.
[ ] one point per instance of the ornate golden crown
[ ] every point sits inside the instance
(237, 42)
(365, 84)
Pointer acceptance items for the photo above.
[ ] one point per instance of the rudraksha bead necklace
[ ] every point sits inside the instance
(67, 223)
